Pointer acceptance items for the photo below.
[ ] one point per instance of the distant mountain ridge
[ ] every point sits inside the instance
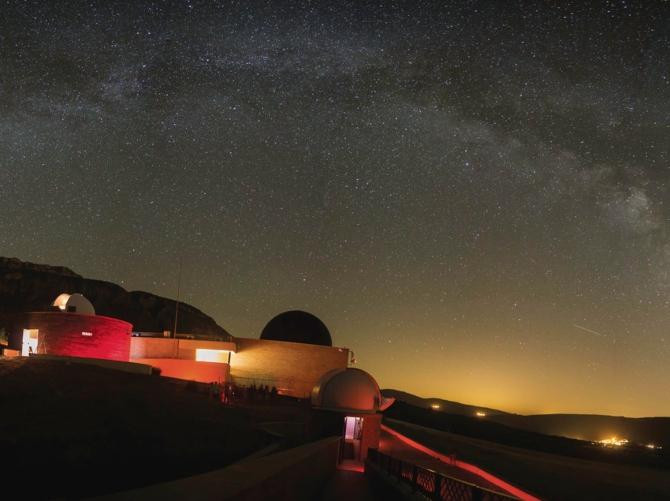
(592, 427)
(447, 406)
(26, 286)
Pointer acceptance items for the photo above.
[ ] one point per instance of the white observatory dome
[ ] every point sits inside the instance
(349, 390)
(74, 303)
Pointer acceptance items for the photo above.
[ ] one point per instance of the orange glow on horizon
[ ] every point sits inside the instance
(527, 389)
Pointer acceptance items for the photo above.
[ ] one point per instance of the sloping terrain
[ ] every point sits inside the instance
(548, 476)
(71, 430)
(447, 406)
(486, 429)
(592, 427)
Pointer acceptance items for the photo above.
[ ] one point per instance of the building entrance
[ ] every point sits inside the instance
(29, 345)
(351, 443)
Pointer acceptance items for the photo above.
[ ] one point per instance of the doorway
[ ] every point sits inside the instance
(352, 433)
(29, 344)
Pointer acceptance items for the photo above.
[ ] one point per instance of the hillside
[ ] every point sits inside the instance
(548, 476)
(447, 406)
(491, 431)
(71, 430)
(591, 427)
(33, 287)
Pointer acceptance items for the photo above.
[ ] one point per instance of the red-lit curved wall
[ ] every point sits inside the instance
(67, 334)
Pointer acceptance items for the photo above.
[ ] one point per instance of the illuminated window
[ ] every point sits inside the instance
(219, 356)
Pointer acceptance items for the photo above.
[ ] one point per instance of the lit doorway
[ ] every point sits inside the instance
(29, 344)
(351, 445)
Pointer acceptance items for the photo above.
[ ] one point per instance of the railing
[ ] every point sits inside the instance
(432, 484)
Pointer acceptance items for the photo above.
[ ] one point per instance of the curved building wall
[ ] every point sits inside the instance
(72, 334)
(349, 389)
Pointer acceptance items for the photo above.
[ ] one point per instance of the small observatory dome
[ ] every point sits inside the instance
(74, 303)
(297, 327)
(349, 390)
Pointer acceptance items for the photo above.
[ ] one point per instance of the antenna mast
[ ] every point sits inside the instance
(176, 305)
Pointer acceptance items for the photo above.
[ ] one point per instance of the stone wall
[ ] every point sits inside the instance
(189, 370)
(293, 368)
(165, 347)
(153, 347)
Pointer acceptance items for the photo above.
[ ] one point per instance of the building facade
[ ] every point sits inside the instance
(68, 334)
(294, 352)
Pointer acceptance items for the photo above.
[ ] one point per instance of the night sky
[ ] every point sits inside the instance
(475, 198)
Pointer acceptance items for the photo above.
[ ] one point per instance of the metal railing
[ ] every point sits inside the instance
(434, 485)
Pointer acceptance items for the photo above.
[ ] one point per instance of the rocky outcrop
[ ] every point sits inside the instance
(33, 287)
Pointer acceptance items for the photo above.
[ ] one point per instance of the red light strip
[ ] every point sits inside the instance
(515, 491)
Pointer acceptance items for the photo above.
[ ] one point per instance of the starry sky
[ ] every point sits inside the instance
(473, 196)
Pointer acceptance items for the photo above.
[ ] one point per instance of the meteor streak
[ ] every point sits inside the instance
(590, 331)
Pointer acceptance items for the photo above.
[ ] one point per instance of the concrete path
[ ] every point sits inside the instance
(348, 486)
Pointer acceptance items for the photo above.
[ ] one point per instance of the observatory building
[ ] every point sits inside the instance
(294, 351)
(70, 328)
(297, 327)
(294, 354)
(348, 402)
(74, 303)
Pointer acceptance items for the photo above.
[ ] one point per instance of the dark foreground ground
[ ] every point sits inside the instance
(71, 430)
(549, 476)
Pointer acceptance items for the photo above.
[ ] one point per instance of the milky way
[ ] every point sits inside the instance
(475, 199)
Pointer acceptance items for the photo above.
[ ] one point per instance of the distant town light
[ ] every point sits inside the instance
(480, 414)
(613, 442)
(435, 406)
(653, 446)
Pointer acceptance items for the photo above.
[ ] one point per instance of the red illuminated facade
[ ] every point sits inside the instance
(70, 334)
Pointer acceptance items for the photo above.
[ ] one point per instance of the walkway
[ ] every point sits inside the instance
(393, 446)
(349, 486)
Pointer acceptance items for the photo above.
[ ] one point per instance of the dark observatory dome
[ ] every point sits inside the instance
(297, 327)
